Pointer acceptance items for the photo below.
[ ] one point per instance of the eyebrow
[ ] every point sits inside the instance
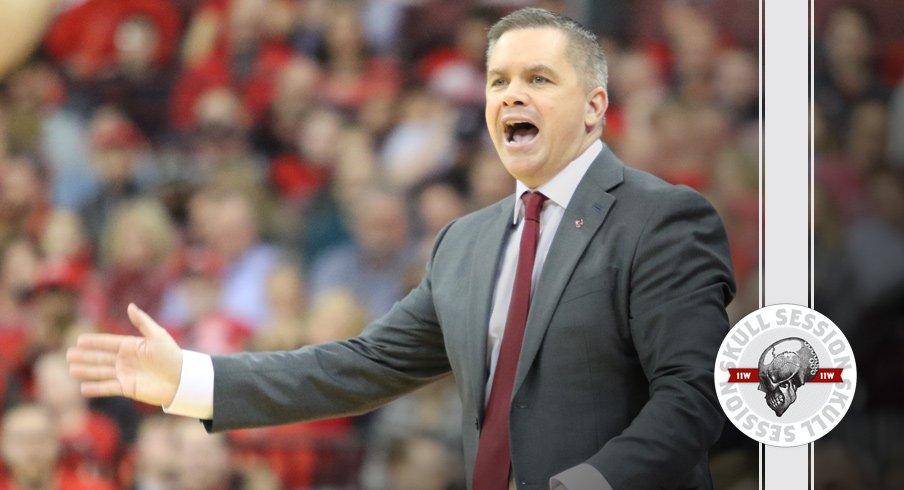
(538, 68)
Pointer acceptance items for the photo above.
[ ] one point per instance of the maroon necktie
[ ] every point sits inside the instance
(494, 460)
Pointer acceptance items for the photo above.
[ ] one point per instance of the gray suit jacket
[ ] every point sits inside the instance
(616, 368)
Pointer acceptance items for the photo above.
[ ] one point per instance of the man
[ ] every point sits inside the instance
(30, 451)
(611, 386)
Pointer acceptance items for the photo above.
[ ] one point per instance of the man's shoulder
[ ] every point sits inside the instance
(652, 192)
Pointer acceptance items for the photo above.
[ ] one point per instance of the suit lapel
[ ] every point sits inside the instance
(589, 206)
(487, 253)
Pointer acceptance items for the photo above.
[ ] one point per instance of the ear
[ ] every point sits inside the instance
(597, 103)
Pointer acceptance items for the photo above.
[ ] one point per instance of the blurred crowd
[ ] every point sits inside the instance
(858, 125)
(266, 174)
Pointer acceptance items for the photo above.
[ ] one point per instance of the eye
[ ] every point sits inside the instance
(538, 79)
(497, 82)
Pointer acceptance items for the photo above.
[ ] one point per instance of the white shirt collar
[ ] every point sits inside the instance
(560, 189)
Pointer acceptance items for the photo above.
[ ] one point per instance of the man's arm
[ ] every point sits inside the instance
(681, 281)
(396, 354)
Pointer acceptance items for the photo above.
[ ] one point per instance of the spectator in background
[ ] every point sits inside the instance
(117, 152)
(219, 135)
(737, 87)
(435, 410)
(198, 319)
(373, 266)
(875, 243)
(846, 172)
(205, 459)
(156, 457)
(846, 71)
(422, 143)
(488, 180)
(141, 72)
(24, 208)
(247, 260)
(54, 306)
(457, 71)
(305, 170)
(229, 232)
(294, 95)
(336, 314)
(351, 73)
(137, 250)
(227, 47)
(89, 440)
(40, 123)
(693, 44)
(420, 462)
(83, 38)
(324, 218)
(18, 274)
(638, 88)
(438, 203)
(64, 241)
(287, 297)
(31, 447)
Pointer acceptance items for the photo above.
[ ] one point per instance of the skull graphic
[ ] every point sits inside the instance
(784, 367)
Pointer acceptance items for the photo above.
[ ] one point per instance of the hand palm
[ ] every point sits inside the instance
(142, 373)
(145, 368)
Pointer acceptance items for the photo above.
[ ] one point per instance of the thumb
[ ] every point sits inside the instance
(143, 322)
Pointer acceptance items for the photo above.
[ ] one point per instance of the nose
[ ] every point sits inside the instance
(514, 94)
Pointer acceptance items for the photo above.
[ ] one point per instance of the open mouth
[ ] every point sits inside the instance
(519, 132)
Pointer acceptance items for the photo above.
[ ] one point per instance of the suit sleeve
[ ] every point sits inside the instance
(396, 354)
(680, 283)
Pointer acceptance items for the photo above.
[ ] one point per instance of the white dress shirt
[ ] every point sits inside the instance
(559, 191)
(194, 396)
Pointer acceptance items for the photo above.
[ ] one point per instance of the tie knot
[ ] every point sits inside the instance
(533, 203)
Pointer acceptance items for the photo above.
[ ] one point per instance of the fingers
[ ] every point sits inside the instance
(91, 365)
(142, 321)
(103, 341)
(87, 372)
(93, 357)
(110, 387)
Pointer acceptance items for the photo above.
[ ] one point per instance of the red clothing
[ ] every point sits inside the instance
(295, 179)
(82, 37)
(120, 287)
(452, 73)
(378, 79)
(301, 455)
(67, 480)
(254, 87)
(214, 333)
(94, 447)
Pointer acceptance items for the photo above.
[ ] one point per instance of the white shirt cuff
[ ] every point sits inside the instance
(580, 477)
(194, 396)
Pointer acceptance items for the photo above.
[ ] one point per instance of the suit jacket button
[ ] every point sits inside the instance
(477, 423)
(520, 405)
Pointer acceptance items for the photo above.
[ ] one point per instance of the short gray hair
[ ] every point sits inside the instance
(584, 48)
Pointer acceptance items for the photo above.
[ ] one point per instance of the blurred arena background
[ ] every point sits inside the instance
(264, 174)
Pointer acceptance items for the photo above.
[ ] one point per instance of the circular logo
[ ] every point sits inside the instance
(785, 375)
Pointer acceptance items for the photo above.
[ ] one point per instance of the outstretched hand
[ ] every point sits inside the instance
(145, 368)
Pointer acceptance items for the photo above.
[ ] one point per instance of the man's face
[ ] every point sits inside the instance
(29, 445)
(540, 113)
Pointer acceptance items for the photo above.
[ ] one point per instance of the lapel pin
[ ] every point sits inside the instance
(579, 223)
